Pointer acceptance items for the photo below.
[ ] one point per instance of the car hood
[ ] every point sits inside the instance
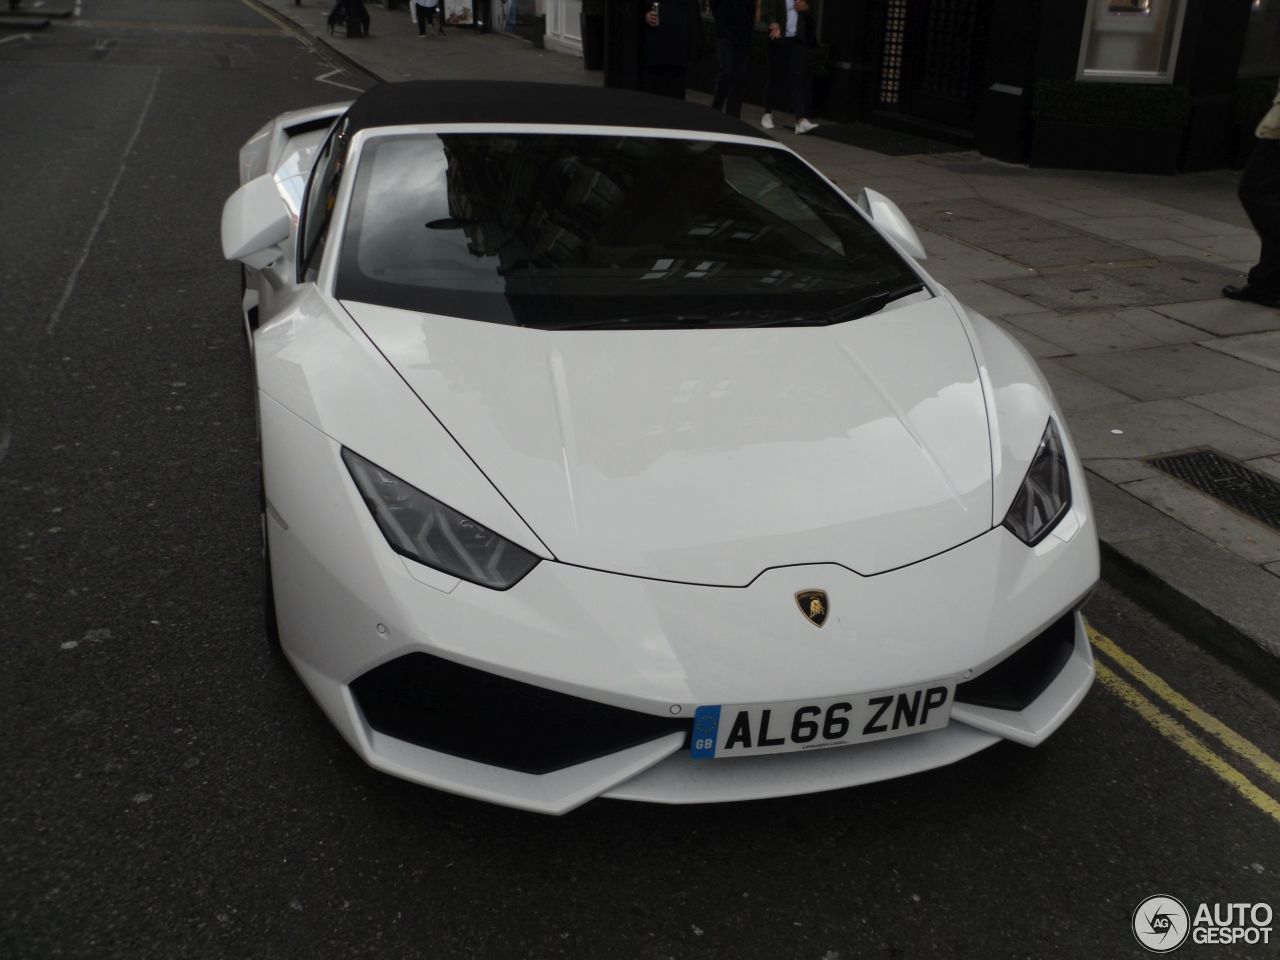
(710, 455)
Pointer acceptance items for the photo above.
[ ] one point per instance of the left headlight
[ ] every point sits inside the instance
(1045, 494)
(424, 529)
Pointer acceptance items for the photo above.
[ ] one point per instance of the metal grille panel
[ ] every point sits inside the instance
(895, 33)
(1228, 481)
(953, 45)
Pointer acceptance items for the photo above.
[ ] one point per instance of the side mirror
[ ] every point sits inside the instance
(886, 215)
(255, 223)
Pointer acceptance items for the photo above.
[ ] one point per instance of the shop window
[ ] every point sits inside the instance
(1133, 40)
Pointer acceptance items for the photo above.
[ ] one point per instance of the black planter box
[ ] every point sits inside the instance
(1085, 146)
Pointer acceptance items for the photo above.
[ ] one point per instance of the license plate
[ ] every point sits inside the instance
(743, 730)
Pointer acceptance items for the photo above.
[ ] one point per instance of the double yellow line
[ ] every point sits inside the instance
(1177, 731)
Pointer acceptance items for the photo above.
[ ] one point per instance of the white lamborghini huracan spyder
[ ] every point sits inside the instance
(609, 449)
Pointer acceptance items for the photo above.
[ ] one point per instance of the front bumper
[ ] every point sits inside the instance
(348, 605)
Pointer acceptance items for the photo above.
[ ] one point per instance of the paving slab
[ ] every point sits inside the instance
(1212, 226)
(988, 300)
(953, 217)
(1262, 349)
(1158, 427)
(1233, 249)
(951, 261)
(1123, 517)
(1009, 229)
(1242, 535)
(1076, 392)
(1129, 285)
(1257, 408)
(1101, 332)
(1120, 470)
(1220, 316)
(1118, 207)
(1163, 247)
(1267, 465)
(1038, 348)
(1177, 371)
(1045, 209)
(1130, 228)
(1077, 250)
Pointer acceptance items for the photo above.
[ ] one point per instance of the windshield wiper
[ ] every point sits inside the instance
(745, 317)
(872, 303)
(644, 321)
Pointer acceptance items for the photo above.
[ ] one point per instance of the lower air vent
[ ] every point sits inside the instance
(1016, 681)
(441, 705)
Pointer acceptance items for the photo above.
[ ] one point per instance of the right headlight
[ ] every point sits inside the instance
(1045, 494)
(424, 529)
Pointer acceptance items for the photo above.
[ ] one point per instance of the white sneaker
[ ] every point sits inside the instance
(767, 121)
(804, 126)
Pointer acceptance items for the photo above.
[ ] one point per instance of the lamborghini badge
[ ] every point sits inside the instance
(813, 604)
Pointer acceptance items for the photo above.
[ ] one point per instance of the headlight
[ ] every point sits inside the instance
(424, 529)
(1045, 494)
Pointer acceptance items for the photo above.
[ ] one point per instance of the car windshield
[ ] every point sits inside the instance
(588, 231)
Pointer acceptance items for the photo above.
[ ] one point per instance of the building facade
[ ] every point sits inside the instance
(1120, 84)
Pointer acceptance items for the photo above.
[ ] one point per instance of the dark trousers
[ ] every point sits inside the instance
(665, 80)
(353, 14)
(425, 16)
(732, 55)
(1260, 197)
(787, 81)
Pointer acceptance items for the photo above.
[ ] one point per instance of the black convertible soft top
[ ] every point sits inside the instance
(498, 101)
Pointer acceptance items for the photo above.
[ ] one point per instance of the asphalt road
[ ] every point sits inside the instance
(171, 791)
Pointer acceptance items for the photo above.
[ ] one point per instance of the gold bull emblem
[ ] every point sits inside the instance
(813, 604)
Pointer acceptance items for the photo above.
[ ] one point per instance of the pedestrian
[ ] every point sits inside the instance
(792, 35)
(1260, 197)
(423, 13)
(671, 31)
(353, 14)
(735, 25)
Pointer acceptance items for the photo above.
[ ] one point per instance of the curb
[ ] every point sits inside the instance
(1189, 582)
(303, 31)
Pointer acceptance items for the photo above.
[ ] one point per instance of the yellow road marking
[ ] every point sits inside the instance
(1209, 724)
(1184, 738)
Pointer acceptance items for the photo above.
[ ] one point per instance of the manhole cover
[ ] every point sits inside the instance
(1226, 480)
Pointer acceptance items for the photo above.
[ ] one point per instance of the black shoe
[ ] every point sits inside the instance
(1251, 294)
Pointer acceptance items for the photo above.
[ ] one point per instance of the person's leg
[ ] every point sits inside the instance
(740, 55)
(1260, 197)
(724, 57)
(420, 15)
(798, 75)
(774, 56)
(665, 81)
(440, 23)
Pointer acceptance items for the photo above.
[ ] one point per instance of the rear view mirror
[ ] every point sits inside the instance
(886, 215)
(255, 223)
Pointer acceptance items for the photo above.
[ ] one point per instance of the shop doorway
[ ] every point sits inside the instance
(519, 17)
(932, 54)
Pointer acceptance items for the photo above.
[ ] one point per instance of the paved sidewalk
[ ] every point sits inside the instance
(1110, 280)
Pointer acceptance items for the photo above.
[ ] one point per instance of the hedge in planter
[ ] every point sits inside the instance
(1108, 126)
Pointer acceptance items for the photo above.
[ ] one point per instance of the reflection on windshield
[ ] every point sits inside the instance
(560, 230)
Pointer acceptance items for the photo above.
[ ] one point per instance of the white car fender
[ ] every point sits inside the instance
(1019, 404)
(359, 401)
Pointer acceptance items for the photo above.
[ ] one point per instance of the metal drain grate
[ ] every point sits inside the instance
(1227, 480)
